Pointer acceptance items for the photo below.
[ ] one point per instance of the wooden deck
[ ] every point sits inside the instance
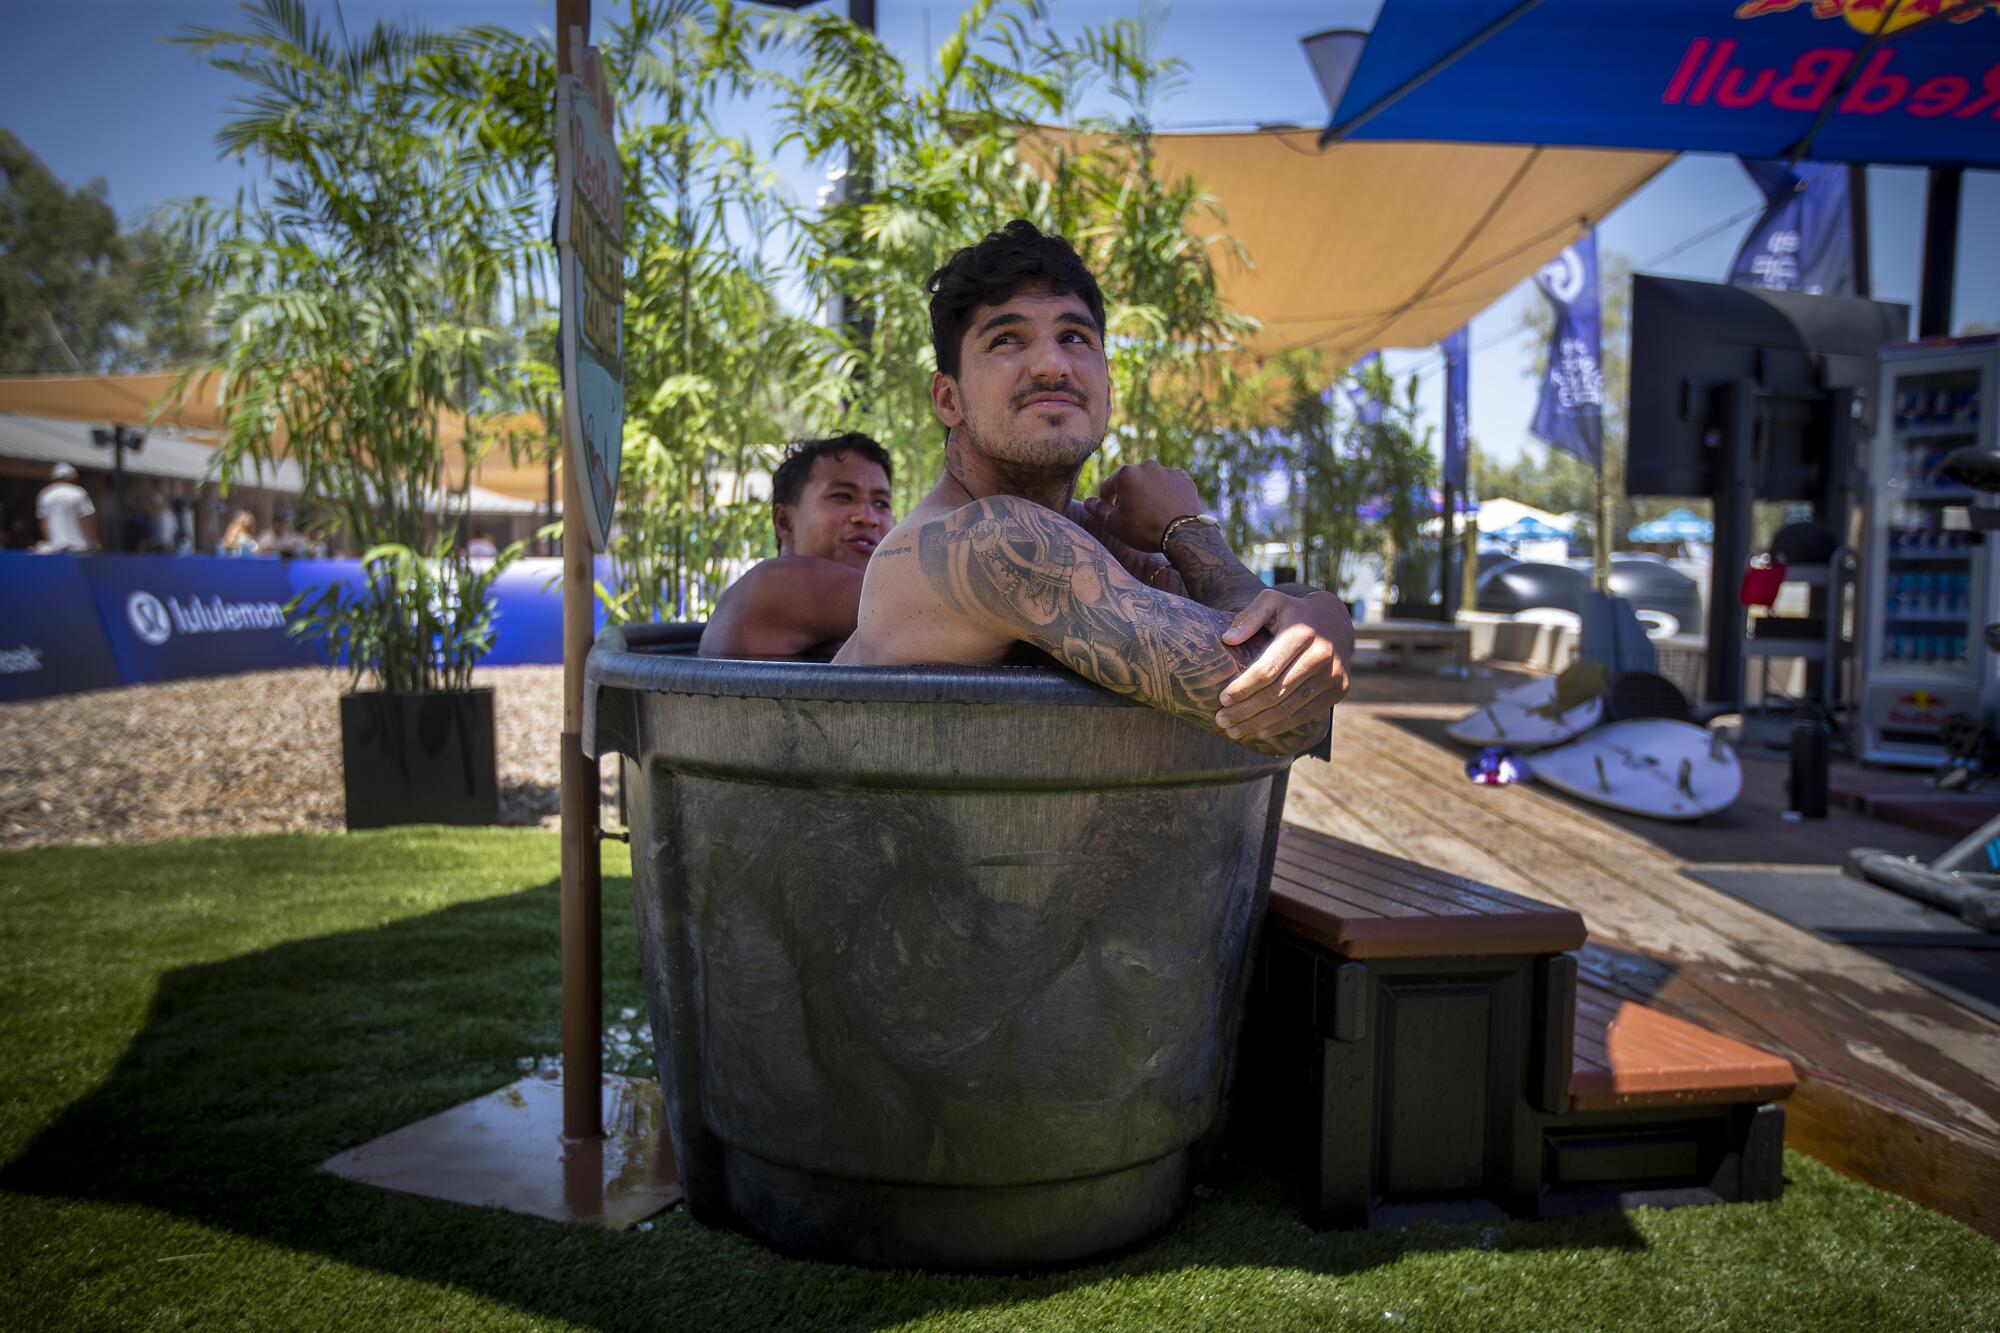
(1898, 1086)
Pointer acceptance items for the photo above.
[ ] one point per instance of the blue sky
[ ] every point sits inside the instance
(92, 87)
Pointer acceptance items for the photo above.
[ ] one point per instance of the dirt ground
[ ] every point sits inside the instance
(254, 753)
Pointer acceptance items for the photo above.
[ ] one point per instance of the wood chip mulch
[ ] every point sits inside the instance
(254, 753)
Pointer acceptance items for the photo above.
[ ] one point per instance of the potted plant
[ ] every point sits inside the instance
(362, 299)
(417, 747)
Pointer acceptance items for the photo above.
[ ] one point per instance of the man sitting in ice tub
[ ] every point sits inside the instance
(830, 507)
(988, 559)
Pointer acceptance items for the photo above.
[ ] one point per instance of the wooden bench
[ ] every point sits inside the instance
(1428, 1047)
(1406, 636)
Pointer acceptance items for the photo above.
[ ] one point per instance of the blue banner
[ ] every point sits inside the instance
(1750, 77)
(1366, 409)
(70, 623)
(51, 641)
(1456, 431)
(1804, 242)
(171, 617)
(1570, 413)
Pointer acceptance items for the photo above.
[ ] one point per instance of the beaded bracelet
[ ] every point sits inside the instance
(1205, 520)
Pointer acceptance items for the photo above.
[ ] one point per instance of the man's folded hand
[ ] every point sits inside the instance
(1302, 672)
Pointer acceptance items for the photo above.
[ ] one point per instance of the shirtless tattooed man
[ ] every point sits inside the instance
(999, 554)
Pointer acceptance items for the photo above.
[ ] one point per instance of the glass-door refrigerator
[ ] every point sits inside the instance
(1931, 586)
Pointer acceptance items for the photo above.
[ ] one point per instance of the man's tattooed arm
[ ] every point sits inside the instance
(1213, 574)
(1014, 566)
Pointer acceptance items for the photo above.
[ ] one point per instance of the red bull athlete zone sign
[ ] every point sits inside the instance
(590, 248)
(1890, 81)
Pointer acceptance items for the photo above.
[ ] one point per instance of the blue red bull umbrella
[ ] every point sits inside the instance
(1889, 81)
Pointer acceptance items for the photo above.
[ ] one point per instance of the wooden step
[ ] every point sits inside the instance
(1361, 903)
(1629, 1057)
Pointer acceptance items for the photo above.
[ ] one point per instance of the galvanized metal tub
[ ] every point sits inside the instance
(944, 965)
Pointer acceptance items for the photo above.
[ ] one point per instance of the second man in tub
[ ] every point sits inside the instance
(830, 506)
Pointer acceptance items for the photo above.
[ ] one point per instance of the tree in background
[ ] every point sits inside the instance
(1539, 476)
(78, 296)
(717, 373)
(359, 300)
(401, 271)
(952, 156)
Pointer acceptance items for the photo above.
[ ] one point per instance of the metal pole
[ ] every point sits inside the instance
(118, 486)
(582, 890)
(1940, 252)
(1447, 585)
(1857, 223)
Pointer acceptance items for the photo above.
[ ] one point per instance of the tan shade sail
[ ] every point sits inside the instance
(1389, 244)
(130, 400)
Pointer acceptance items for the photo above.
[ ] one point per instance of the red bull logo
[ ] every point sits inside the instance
(1708, 75)
(1920, 708)
(1870, 16)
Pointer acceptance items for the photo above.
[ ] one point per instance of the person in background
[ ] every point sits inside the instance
(481, 546)
(279, 539)
(163, 530)
(830, 504)
(69, 520)
(240, 537)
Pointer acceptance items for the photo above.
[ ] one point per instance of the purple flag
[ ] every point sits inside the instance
(1570, 413)
(1366, 409)
(1456, 373)
(1804, 242)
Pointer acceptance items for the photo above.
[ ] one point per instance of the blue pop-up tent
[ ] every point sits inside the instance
(1679, 525)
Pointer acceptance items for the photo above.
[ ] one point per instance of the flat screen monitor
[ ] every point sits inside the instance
(1688, 337)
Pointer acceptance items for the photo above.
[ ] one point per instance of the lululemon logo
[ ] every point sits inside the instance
(149, 618)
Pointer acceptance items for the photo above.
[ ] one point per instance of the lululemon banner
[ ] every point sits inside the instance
(171, 617)
(1570, 413)
(74, 623)
(1804, 242)
(51, 641)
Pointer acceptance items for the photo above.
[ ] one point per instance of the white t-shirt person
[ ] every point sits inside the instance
(62, 506)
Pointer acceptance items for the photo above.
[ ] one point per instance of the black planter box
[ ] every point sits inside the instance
(418, 759)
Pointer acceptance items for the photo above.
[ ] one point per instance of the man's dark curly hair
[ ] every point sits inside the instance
(990, 272)
(788, 483)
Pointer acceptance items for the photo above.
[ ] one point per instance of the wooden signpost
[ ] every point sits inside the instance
(590, 216)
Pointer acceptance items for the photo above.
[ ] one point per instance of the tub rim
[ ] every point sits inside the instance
(620, 661)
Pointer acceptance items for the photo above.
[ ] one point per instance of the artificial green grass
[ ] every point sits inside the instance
(188, 1028)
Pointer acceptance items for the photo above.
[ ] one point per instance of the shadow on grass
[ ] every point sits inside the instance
(251, 1071)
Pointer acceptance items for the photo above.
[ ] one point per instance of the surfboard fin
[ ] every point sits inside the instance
(1718, 749)
(1686, 783)
(1603, 782)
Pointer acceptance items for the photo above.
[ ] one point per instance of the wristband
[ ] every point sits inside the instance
(1205, 520)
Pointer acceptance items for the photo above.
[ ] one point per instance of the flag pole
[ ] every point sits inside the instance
(1600, 563)
(582, 889)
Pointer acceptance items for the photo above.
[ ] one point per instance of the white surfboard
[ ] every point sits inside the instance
(1524, 718)
(1649, 766)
